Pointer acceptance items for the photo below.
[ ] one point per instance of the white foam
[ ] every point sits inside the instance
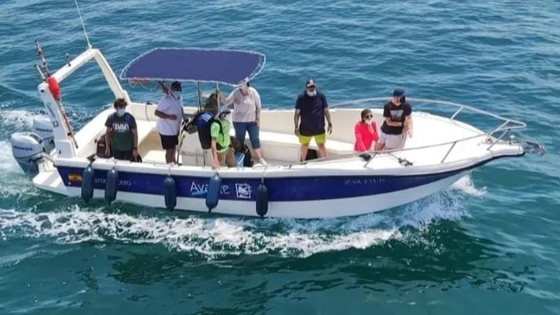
(219, 236)
(7, 162)
(21, 119)
(466, 185)
(13, 181)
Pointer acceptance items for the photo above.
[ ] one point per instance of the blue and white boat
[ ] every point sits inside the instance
(442, 151)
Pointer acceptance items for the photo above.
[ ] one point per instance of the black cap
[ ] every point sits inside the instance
(224, 111)
(399, 93)
(176, 86)
(310, 83)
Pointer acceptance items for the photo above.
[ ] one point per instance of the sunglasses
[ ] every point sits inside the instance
(368, 116)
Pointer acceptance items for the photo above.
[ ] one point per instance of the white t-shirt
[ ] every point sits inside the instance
(245, 107)
(170, 106)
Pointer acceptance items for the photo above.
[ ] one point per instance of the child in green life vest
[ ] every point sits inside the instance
(222, 150)
(121, 135)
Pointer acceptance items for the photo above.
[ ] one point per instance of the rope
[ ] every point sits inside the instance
(83, 24)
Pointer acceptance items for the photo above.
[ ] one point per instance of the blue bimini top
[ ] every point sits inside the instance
(228, 67)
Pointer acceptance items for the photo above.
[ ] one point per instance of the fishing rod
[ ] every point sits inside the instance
(54, 88)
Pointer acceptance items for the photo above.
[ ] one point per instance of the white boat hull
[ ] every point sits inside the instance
(310, 209)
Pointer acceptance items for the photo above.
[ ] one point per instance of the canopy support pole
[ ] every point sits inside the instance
(218, 97)
(199, 96)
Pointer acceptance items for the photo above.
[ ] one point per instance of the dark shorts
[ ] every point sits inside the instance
(169, 142)
(122, 155)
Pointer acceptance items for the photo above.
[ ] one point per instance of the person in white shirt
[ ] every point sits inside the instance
(170, 113)
(246, 115)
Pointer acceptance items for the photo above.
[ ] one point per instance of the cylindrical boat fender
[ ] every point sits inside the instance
(111, 185)
(87, 183)
(213, 194)
(170, 192)
(262, 200)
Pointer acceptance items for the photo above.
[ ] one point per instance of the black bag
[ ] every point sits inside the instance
(101, 146)
(138, 159)
(243, 148)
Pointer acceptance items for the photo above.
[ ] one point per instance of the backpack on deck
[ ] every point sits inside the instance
(244, 149)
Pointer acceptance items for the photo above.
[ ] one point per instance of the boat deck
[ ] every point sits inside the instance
(430, 146)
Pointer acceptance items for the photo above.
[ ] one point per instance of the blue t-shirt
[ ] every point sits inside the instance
(312, 113)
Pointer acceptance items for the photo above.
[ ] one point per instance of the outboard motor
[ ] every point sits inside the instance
(43, 127)
(28, 150)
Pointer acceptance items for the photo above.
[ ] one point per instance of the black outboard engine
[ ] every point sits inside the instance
(28, 150)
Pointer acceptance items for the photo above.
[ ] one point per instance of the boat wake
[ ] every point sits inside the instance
(218, 237)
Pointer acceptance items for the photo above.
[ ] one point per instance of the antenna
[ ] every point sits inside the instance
(83, 25)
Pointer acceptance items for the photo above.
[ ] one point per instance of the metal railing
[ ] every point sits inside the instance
(506, 126)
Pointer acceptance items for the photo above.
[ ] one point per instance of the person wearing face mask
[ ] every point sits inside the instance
(309, 119)
(246, 115)
(222, 150)
(121, 135)
(170, 113)
(366, 132)
(398, 117)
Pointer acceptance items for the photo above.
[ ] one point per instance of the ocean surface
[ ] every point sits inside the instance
(490, 244)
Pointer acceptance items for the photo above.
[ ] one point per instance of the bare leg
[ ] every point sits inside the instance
(304, 149)
(258, 153)
(322, 150)
(169, 155)
(379, 146)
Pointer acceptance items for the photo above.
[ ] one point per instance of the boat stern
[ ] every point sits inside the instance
(49, 179)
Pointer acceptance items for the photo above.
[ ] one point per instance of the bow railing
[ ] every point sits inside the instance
(505, 127)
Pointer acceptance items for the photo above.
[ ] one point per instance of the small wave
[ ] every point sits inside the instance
(218, 236)
(13, 182)
(7, 162)
(466, 185)
(19, 119)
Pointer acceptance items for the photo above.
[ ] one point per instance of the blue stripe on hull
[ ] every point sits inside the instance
(279, 189)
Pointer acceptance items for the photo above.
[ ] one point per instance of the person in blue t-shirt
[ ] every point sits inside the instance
(309, 119)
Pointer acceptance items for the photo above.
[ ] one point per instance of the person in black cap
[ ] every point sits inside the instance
(397, 113)
(170, 113)
(309, 119)
(222, 151)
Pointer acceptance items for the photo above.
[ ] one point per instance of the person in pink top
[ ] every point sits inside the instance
(366, 132)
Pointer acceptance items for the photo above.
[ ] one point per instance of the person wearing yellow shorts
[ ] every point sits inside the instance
(319, 139)
(309, 119)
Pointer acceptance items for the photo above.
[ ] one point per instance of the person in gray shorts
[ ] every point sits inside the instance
(397, 113)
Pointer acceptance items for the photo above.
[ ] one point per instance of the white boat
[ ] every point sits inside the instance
(442, 150)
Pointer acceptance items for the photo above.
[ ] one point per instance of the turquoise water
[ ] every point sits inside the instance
(487, 245)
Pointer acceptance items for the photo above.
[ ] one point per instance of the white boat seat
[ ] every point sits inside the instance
(144, 129)
(287, 147)
(332, 145)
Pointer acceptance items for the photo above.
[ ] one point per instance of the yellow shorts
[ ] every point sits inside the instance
(319, 139)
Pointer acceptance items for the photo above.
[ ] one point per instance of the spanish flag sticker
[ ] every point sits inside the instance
(74, 177)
